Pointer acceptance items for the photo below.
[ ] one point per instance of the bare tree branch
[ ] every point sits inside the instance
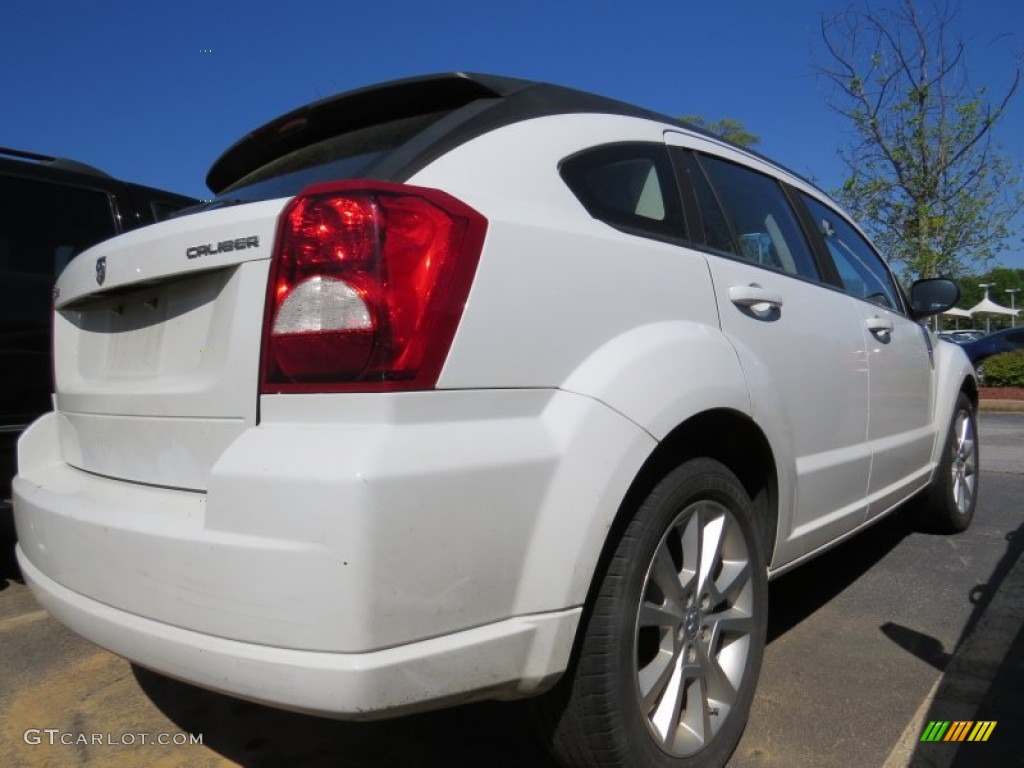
(926, 177)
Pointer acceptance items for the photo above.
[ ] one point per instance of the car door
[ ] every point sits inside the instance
(800, 345)
(901, 431)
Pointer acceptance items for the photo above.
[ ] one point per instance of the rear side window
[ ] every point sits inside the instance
(717, 234)
(861, 270)
(766, 229)
(629, 186)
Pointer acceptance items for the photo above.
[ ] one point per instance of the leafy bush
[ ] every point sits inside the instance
(1005, 370)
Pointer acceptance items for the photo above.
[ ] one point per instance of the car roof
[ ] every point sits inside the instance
(61, 170)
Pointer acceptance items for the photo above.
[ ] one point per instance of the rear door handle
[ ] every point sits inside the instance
(755, 297)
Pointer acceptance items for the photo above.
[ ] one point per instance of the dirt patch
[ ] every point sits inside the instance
(97, 718)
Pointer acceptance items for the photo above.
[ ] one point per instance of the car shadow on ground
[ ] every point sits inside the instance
(9, 570)
(984, 677)
(497, 735)
(493, 734)
(798, 594)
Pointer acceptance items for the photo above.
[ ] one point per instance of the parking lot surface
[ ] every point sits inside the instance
(866, 645)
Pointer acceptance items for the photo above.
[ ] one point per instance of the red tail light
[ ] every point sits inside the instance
(367, 286)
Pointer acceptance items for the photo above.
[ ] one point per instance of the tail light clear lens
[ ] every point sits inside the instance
(367, 286)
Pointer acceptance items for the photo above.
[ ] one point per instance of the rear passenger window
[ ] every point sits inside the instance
(766, 229)
(629, 186)
(717, 234)
(861, 270)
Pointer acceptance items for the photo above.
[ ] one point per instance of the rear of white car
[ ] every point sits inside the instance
(362, 437)
(278, 478)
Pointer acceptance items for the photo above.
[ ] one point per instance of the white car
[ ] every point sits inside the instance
(467, 387)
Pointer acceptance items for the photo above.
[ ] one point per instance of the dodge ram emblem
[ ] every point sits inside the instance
(101, 270)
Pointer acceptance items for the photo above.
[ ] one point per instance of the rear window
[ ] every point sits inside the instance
(344, 156)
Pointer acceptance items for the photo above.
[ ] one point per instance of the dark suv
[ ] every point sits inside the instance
(50, 209)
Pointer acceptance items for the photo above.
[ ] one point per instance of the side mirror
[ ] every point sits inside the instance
(932, 296)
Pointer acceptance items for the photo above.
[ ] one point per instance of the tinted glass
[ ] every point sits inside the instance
(342, 156)
(766, 227)
(862, 271)
(629, 186)
(43, 225)
(716, 228)
(162, 210)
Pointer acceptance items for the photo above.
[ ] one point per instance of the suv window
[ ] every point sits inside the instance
(629, 186)
(766, 228)
(862, 271)
(50, 210)
(42, 225)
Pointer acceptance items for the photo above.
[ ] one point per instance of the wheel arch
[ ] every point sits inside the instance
(955, 374)
(731, 438)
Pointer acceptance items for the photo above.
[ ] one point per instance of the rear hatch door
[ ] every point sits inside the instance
(157, 343)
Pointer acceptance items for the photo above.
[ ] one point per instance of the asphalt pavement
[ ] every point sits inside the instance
(868, 644)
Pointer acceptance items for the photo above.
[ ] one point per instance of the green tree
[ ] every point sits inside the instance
(726, 128)
(926, 178)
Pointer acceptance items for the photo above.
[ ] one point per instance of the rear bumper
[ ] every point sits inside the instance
(506, 659)
(350, 555)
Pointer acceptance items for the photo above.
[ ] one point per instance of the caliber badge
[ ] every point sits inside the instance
(101, 270)
(224, 246)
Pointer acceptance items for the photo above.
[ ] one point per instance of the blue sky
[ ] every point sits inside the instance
(130, 87)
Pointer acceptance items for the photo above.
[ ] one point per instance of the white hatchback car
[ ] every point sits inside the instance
(467, 387)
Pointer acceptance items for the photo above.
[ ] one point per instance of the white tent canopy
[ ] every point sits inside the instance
(957, 312)
(986, 305)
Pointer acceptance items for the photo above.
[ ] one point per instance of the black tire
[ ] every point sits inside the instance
(947, 506)
(694, 636)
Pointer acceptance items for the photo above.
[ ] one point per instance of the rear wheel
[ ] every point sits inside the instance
(671, 651)
(948, 504)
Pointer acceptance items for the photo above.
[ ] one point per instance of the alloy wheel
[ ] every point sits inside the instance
(693, 628)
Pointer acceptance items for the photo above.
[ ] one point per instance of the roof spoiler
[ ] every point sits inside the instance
(350, 111)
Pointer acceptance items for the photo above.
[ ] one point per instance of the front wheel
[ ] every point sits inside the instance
(948, 504)
(670, 653)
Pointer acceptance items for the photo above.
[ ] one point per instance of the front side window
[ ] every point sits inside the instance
(861, 270)
(629, 186)
(766, 229)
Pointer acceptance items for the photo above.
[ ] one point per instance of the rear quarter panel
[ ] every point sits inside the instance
(564, 301)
